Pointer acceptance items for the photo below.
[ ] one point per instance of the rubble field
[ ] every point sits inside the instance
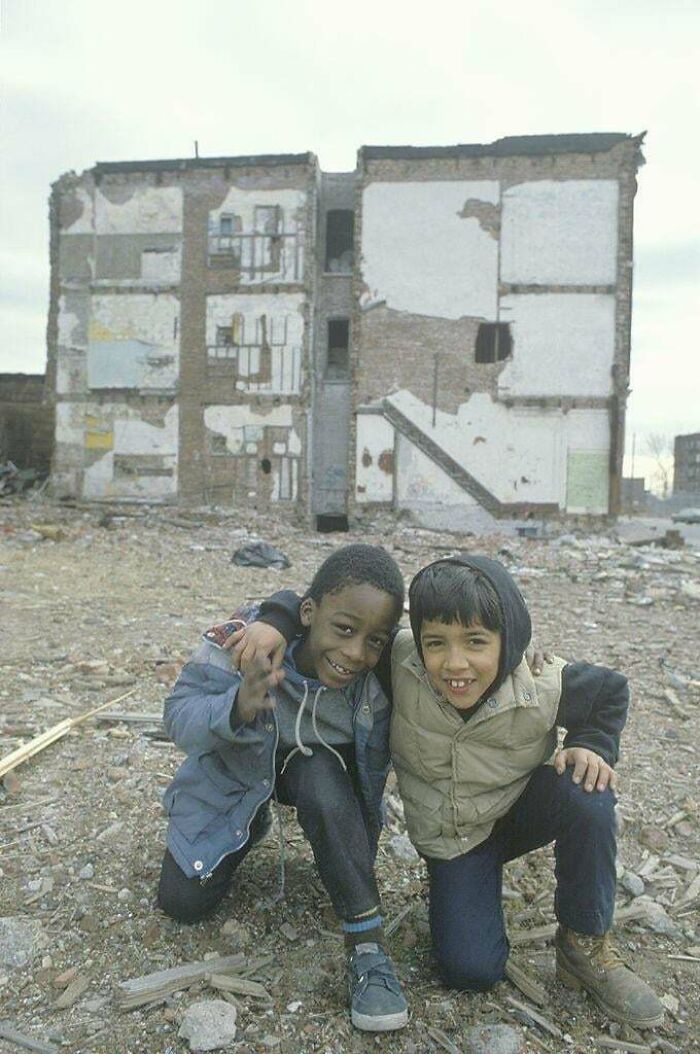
(100, 605)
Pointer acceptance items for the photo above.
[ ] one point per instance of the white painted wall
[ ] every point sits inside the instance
(560, 232)
(230, 421)
(419, 255)
(563, 344)
(149, 210)
(374, 436)
(242, 203)
(519, 454)
(128, 335)
(160, 265)
(85, 223)
(68, 325)
(422, 483)
(284, 316)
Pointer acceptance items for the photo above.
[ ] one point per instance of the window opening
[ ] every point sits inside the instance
(266, 466)
(494, 342)
(340, 232)
(338, 352)
(327, 523)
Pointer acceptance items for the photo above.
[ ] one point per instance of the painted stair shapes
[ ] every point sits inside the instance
(488, 502)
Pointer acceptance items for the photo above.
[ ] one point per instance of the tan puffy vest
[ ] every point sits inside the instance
(457, 778)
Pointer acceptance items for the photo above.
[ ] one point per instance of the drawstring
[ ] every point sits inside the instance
(318, 735)
(301, 747)
(307, 752)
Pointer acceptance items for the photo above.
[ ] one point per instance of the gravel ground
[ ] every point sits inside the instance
(98, 605)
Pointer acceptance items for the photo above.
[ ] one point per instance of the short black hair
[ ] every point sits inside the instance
(355, 565)
(450, 592)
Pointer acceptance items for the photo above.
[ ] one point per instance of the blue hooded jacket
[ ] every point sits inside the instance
(229, 771)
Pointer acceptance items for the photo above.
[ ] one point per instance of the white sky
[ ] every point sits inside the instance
(85, 81)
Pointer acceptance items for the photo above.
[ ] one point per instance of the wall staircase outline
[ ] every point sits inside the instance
(456, 472)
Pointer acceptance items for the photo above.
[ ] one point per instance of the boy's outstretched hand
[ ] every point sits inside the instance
(256, 692)
(589, 768)
(253, 642)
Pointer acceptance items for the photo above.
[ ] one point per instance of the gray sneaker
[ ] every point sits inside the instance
(376, 1000)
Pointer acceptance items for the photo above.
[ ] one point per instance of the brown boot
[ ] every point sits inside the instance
(593, 963)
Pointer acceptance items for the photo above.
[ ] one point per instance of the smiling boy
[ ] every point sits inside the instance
(473, 742)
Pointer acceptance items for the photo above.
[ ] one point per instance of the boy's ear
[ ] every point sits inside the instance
(306, 610)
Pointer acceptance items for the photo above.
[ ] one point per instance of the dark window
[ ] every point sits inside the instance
(338, 354)
(340, 230)
(266, 466)
(226, 225)
(493, 342)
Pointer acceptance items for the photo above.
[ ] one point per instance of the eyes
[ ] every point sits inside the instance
(346, 630)
(433, 643)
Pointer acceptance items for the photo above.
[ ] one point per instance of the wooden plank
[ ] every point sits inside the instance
(51, 735)
(543, 933)
(20, 1039)
(239, 986)
(154, 986)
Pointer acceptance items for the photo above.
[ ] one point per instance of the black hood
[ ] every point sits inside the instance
(517, 628)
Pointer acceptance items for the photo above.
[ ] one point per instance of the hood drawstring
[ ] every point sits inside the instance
(301, 747)
(307, 752)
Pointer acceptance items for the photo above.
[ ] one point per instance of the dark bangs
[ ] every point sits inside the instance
(447, 592)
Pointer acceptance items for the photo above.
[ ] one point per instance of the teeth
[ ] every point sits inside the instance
(338, 667)
(458, 684)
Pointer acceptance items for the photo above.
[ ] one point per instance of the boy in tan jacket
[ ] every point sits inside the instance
(473, 741)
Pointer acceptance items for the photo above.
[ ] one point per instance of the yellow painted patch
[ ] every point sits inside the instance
(99, 440)
(96, 331)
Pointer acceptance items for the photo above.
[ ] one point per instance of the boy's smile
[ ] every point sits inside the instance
(461, 661)
(347, 631)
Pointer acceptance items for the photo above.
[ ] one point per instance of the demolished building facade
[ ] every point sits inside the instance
(443, 330)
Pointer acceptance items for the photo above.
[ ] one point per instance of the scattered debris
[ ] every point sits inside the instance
(81, 833)
(209, 1025)
(45, 739)
(260, 554)
(72, 993)
(21, 1039)
(156, 986)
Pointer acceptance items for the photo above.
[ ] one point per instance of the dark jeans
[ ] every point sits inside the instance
(466, 912)
(331, 814)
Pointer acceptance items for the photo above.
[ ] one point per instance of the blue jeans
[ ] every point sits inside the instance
(466, 911)
(332, 814)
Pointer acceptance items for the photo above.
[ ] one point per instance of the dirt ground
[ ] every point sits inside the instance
(96, 605)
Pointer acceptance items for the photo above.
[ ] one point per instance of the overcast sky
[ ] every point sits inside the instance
(85, 81)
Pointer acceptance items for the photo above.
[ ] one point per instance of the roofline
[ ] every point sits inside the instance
(102, 168)
(510, 146)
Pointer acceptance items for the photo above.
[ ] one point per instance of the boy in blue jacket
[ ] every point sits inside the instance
(313, 731)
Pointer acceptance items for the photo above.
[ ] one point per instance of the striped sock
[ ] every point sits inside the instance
(363, 929)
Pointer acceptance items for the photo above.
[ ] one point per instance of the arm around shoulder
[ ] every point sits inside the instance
(593, 708)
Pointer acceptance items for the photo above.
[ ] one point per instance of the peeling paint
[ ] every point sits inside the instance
(259, 337)
(485, 213)
(138, 209)
(386, 461)
(261, 234)
(539, 456)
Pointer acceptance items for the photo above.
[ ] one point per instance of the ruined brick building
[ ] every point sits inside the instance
(444, 330)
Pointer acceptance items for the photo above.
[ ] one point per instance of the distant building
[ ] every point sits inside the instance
(26, 421)
(686, 464)
(634, 494)
(443, 330)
